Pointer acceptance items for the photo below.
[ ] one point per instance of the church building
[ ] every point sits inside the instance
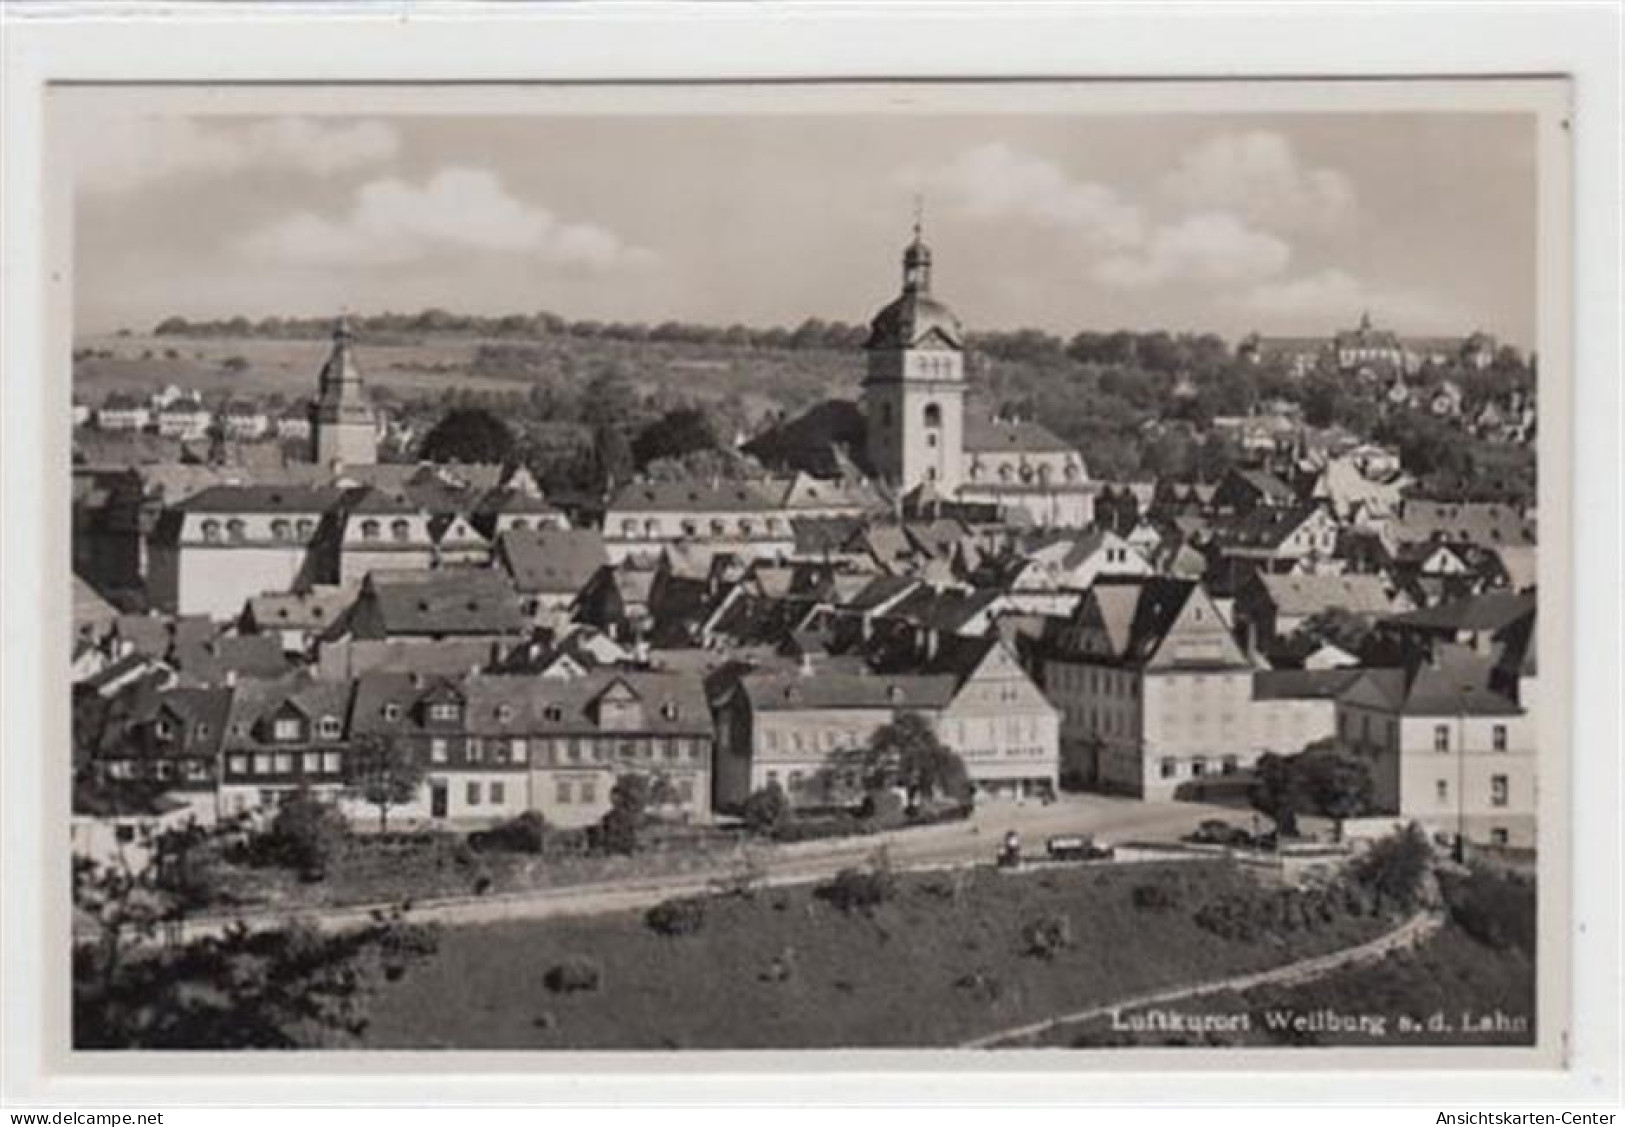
(344, 430)
(924, 441)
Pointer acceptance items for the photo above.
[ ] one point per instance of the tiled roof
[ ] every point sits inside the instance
(463, 601)
(985, 434)
(552, 560)
(695, 496)
(1303, 684)
(1295, 595)
(770, 692)
(261, 499)
(1494, 611)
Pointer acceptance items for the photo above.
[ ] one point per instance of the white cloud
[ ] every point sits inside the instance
(1336, 297)
(116, 157)
(1210, 247)
(995, 181)
(391, 221)
(1258, 175)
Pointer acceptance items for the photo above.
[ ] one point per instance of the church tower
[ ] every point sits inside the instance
(343, 427)
(914, 393)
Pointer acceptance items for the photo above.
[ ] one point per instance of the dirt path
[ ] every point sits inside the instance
(1407, 934)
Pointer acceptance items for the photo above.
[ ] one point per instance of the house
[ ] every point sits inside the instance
(790, 727)
(217, 549)
(506, 509)
(1354, 495)
(463, 604)
(296, 618)
(169, 741)
(744, 518)
(283, 734)
(1241, 491)
(1448, 749)
(1293, 708)
(243, 421)
(1025, 473)
(550, 565)
(381, 530)
(1270, 540)
(93, 615)
(1490, 525)
(1368, 348)
(1482, 624)
(1076, 562)
(185, 418)
(293, 424)
(119, 826)
(120, 412)
(616, 600)
(1153, 689)
(496, 745)
(1269, 608)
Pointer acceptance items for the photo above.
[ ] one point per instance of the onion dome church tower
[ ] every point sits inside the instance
(343, 427)
(914, 393)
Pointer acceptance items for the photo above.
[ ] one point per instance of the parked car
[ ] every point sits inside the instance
(1076, 847)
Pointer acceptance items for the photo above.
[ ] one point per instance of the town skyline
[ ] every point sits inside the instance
(1284, 225)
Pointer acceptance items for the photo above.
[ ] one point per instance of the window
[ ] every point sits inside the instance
(306, 528)
(1498, 790)
(1441, 790)
(369, 530)
(329, 728)
(1198, 767)
(211, 532)
(1168, 768)
(690, 528)
(669, 748)
(498, 793)
(589, 791)
(747, 527)
(629, 528)
(685, 791)
(400, 530)
(561, 792)
(236, 530)
(281, 530)
(313, 763)
(473, 794)
(164, 729)
(474, 750)
(1498, 835)
(283, 762)
(718, 528)
(445, 710)
(1229, 765)
(518, 750)
(575, 751)
(262, 765)
(1441, 737)
(519, 525)
(332, 762)
(392, 712)
(437, 750)
(237, 764)
(504, 712)
(651, 528)
(286, 729)
(1498, 737)
(668, 710)
(124, 835)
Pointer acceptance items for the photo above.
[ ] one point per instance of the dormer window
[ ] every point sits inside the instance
(669, 710)
(236, 530)
(369, 530)
(329, 728)
(163, 729)
(400, 530)
(504, 712)
(285, 729)
(894, 693)
(553, 713)
(718, 528)
(281, 529)
(443, 710)
(211, 532)
(392, 711)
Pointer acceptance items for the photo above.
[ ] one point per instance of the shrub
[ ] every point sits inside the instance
(857, 890)
(576, 974)
(1155, 897)
(305, 834)
(681, 916)
(1496, 908)
(766, 809)
(881, 806)
(1395, 867)
(528, 833)
(1047, 936)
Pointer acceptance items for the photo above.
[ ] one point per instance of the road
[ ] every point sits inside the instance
(950, 845)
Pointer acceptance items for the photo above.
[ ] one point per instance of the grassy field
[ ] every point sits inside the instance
(942, 962)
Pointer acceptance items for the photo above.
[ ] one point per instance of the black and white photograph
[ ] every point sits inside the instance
(805, 574)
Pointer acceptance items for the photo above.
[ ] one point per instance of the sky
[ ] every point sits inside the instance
(1278, 223)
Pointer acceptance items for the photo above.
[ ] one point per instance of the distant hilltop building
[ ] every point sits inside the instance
(344, 429)
(918, 435)
(1370, 349)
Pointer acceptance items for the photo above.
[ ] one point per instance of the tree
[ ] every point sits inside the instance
(305, 833)
(384, 773)
(469, 435)
(907, 753)
(1277, 792)
(628, 805)
(676, 434)
(766, 809)
(1336, 782)
(287, 987)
